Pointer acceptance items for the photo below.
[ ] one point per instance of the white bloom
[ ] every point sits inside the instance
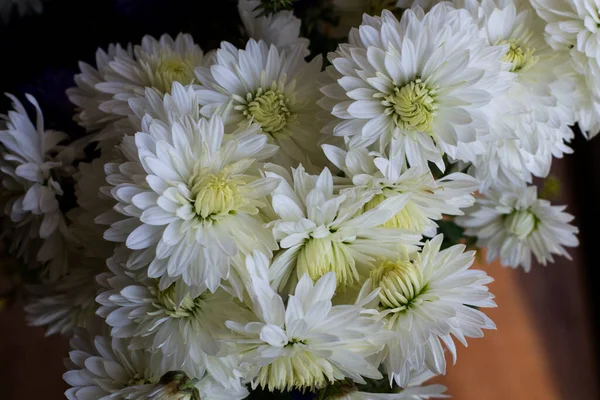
(513, 224)
(103, 93)
(307, 343)
(423, 81)
(586, 103)
(275, 89)
(93, 200)
(87, 97)
(104, 368)
(30, 190)
(191, 196)
(321, 231)
(386, 177)
(572, 26)
(531, 120)
(281, 29)
(22, 7)
(69, 303)
(425, 299)
(180, 321)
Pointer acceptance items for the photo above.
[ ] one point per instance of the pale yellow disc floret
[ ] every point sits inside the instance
(412, 107)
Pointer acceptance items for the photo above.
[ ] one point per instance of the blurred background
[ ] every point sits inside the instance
(545, 346)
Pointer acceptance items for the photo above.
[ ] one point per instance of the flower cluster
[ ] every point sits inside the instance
(246, 219)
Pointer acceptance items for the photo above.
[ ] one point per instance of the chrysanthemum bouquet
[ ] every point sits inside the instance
(260, 219)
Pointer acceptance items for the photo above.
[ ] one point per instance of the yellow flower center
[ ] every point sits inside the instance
(301, 370)
(269, 108)
(412, 107)
(173, 69)
(216, 195)
(166, 301)
(401, 284)
(410, 217)
(521, 223)
(520, 57)
(320, 256)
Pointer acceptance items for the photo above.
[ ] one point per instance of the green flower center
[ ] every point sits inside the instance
(270, 109)
(521, 223)
(519, 56)
(173, 69)
(412, 107)
(402, 284)
(216, 195)
(320, 256)
(166, 301)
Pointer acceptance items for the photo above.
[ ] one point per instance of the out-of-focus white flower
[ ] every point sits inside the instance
(87, 97)
(385, 177)
(275, 89)
(22, 7)
(70, 303)
(307, 343)
(106, 368)
(513, 224)
(30, 190)
(191, 196)
(281, 29)
(572, 26)
(321, 231)
(425, 299)
(530, 122)
(423, 81)
(182, 322)
(102, 93)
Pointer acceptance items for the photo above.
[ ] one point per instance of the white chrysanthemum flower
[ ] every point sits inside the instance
(423, 81)
(572, 24)
(69, 303)
(275, 89)
(105, 368)
(307, 343)
(30, 190)
(22, 7)
(87, 97)
(281, 29)
(531, 120)
(191, 195)
(387, 177)
(513, 224)
(586, 104)
(181, 321)
(425, 299)
(103, 92)
(321, 231)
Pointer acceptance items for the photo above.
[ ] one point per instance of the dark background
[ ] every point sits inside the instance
(546, 344)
